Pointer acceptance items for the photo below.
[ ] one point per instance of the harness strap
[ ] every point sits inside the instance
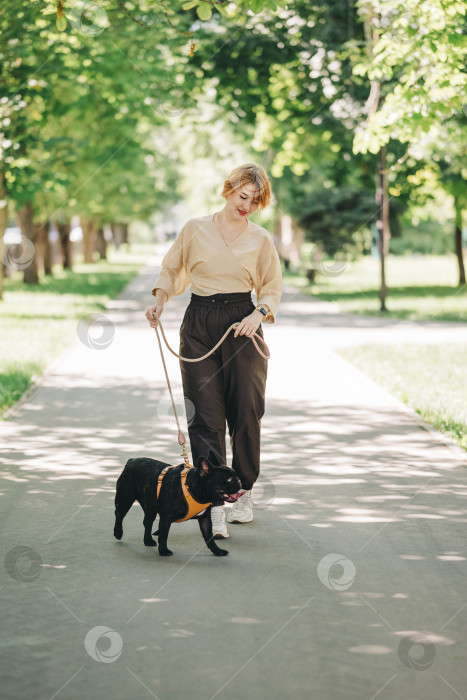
(193, 506)
(160, 479)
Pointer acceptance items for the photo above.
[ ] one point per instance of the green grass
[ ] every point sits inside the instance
(420, 288)
(429, 378)
(39, 321)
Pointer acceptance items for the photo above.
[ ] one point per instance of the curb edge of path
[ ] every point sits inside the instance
(410, 412)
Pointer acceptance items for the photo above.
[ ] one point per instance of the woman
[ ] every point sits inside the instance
(224, 256)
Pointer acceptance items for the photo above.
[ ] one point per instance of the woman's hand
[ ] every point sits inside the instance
(158, 309)
(249, 324)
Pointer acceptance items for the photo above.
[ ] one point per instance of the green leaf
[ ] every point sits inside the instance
(221, 8)
(61, 23)
(189, 5)
(456, 39)
(204, 12)
(256, 6)
(52, 9)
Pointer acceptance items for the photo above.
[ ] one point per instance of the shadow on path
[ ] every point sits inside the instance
(349, 583)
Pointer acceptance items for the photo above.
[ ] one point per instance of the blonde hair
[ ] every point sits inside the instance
(253, 174)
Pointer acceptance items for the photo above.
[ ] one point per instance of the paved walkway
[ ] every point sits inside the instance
(348, 585)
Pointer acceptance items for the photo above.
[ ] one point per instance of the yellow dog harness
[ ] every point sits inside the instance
(193, 506)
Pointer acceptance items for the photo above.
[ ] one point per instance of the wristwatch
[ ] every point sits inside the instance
(262, 310)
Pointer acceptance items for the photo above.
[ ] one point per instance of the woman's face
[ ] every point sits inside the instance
(243, 201)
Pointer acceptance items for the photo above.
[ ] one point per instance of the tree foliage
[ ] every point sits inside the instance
(419, 57)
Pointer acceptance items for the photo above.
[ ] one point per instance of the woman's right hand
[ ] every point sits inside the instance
(157, 309)
(160, 298)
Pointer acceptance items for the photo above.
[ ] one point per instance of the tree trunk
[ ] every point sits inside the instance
(89, 228)
(101, 244)
(43, 246)
(63, 229)
(458, 240)
(26, 260)
(120, 234)
(290, 239)
(382, 199)
(3, 227)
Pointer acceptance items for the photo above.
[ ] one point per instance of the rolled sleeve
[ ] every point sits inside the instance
(174, 277)
(269, 282)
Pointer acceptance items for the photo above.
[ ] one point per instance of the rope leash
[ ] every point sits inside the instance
(181, 436)
(198, 359)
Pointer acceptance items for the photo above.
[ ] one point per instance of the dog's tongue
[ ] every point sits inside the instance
(236, 496)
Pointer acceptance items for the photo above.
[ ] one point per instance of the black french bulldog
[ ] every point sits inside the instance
(208, 482)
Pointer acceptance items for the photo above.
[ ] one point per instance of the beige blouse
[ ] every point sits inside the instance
(199, 256)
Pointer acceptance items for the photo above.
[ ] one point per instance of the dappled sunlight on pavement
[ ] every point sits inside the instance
(355, 558)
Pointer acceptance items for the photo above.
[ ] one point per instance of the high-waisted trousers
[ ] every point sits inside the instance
(227, 387)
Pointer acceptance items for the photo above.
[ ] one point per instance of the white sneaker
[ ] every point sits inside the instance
(219, 528)
(242, 510)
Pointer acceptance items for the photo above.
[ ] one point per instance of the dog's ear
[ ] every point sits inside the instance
(203, 466)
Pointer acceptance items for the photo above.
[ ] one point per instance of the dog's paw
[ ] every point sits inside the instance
(221, 552)
(150, 543)
(118, 533)
(165, 553)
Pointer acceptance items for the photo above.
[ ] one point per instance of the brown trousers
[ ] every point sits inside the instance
(229, 386)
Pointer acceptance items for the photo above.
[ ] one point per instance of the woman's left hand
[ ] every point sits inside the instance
(249, 324)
